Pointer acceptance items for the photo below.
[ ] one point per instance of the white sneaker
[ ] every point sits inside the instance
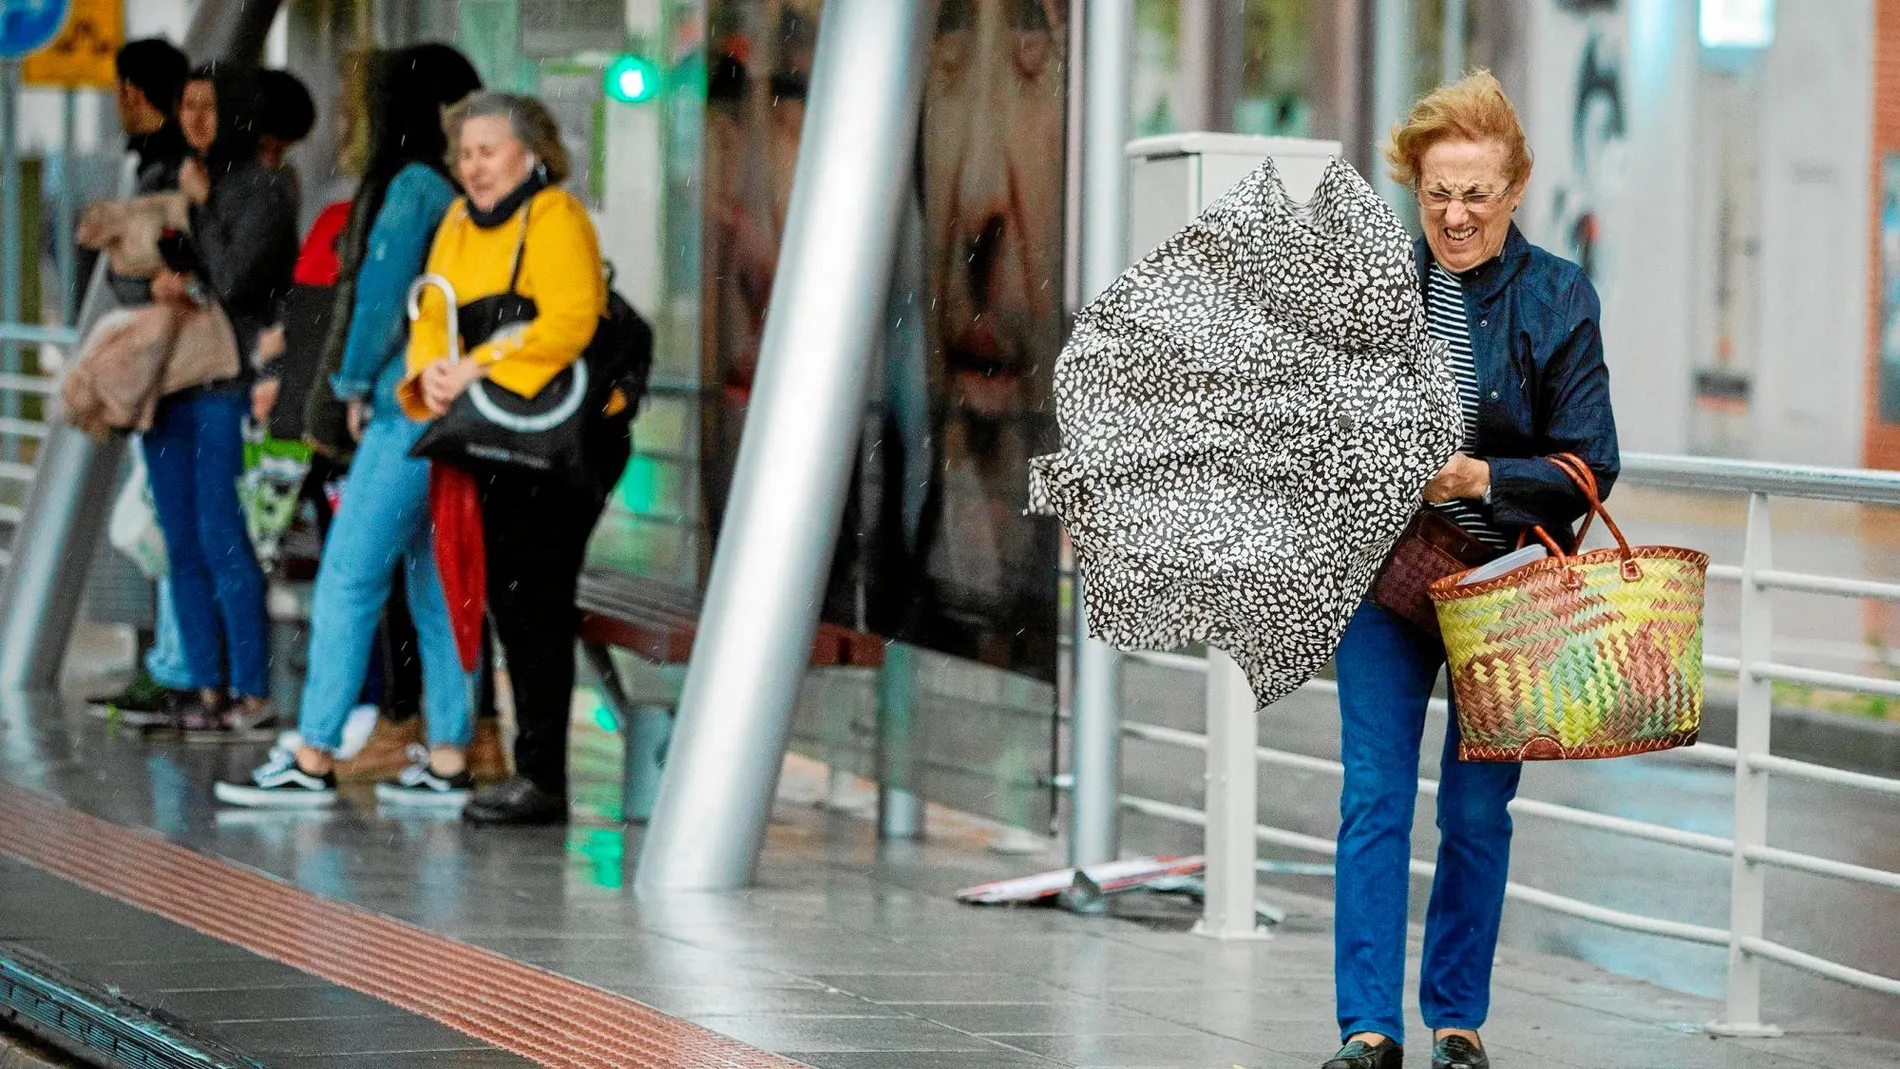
(420, 785)
(279, 784)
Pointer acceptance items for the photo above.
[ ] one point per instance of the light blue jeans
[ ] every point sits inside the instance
(383, 521)
(165, 661)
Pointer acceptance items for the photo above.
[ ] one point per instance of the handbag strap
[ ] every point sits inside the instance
(521, 247)
(1586, 482)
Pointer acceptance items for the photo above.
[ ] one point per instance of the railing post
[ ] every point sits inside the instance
(1232, 797)
(1754, 715)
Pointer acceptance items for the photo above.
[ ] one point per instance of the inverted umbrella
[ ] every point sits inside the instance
(1248, 417)
(455, 514)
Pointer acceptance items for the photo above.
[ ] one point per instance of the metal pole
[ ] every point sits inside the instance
(1391, 90)
(11, 245)
(1754, 712)
(66, 248)
(825, 321)
(1199, 64)
(1108, 36)
(1095, 738)
(1233, 772)
(1451, 41)
(73, 481)
(900, 798)
(900, 804)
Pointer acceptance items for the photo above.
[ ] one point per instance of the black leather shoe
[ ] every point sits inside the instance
(1457, 1052)
(1360, 1055)
(514, 801)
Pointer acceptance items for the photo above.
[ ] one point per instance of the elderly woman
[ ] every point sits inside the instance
(516, 230)
(1521, 328)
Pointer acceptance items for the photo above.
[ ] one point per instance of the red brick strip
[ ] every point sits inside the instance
(549, 1019)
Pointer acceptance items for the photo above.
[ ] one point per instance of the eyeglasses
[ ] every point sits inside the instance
(1477, 200)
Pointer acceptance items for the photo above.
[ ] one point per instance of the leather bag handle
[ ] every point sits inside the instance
(1585, 481)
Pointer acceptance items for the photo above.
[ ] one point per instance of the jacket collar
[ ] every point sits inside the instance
(1483, 283)
(164, 145)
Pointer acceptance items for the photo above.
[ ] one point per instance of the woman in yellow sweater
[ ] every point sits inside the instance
(511, 162)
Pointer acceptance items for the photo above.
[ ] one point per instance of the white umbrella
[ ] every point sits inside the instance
(1248, 417)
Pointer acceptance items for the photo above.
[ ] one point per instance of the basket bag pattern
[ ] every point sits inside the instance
(1592, 654)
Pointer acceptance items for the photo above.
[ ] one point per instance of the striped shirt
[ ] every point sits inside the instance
(1445, 319)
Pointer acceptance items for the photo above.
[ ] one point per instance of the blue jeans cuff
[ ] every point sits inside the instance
(1393, 1031)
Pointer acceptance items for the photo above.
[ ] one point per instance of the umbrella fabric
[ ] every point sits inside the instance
(1248, 417)
(461, 558)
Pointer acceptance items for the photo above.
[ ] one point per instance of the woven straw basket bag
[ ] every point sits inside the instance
(1592, 654)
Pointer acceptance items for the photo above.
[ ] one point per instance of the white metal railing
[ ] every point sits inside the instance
(1230, 844)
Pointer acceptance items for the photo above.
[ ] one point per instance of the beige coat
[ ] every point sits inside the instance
(134, 356)
(127, 231)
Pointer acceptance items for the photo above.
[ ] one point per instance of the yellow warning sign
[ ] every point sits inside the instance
(81, 56)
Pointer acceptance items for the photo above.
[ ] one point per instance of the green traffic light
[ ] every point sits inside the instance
(632, 79)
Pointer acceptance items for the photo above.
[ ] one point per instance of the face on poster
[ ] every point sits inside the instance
(935, 544)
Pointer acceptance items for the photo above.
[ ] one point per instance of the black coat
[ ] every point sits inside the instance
(246, 236)
(1542, 384)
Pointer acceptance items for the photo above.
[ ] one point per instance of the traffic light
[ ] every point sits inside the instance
(632, 79)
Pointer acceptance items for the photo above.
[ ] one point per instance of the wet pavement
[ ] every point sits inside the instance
(853, 954)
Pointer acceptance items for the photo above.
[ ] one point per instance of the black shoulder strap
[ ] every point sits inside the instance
(521, 246)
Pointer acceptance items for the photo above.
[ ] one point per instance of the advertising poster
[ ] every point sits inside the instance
(935, 549)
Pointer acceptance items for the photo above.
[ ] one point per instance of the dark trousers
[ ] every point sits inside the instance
(536, 532)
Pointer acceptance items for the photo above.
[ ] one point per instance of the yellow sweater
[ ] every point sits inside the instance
(560, 269)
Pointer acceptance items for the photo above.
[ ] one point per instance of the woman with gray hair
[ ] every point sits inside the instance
(517, 235)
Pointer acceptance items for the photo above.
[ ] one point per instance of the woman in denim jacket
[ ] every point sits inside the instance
(383, 520)
(1520, 328)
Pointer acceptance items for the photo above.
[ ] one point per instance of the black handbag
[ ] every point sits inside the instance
(564, 431)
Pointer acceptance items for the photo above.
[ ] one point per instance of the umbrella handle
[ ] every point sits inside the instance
(448, 293)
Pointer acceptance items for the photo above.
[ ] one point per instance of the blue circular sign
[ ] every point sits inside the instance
(27, 25)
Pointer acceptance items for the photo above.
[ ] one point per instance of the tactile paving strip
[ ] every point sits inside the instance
(550, 1019)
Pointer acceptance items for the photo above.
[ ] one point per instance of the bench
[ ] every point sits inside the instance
(657, 622)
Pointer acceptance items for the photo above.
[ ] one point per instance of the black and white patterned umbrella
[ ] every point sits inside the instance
(1248, 417)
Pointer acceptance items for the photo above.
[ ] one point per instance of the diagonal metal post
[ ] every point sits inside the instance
(825, 321)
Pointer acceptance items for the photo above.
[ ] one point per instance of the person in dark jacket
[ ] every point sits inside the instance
(1521, 329)
(151, 80)
(151, 77)
(242, 244)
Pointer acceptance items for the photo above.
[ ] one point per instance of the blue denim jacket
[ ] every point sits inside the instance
(394, 255)
(1542, 384)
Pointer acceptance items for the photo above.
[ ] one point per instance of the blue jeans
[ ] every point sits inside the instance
(194, 454)
(383, 521)
(1386, 670)
(165, 661)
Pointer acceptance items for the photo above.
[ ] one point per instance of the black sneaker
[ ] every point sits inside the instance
(1361, 1055)
(420, 785)
(145, 701)
(515, 801)
(280, 784)
(1457, 1052)
(232, 722)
